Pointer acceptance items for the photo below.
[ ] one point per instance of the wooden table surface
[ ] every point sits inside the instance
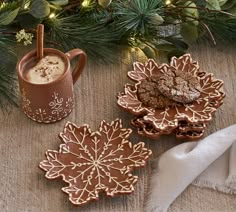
(24, 142)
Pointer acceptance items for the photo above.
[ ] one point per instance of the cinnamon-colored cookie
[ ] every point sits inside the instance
(149, 94)
(179, 86)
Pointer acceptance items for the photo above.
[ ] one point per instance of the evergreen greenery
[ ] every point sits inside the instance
(98, 26)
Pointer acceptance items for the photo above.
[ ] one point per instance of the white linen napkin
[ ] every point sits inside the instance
(210, 162)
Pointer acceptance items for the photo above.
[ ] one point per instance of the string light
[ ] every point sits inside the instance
(2, 5)
(132, 38)
(85, 3)
(52, 15)
(168, 2)
(26, 5)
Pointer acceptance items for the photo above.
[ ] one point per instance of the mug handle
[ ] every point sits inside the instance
(80, 64)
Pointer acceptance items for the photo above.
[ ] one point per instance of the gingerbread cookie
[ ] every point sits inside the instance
(179, 86)
(149, 94)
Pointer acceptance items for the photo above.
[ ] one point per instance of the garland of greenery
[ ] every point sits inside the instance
(97, 26)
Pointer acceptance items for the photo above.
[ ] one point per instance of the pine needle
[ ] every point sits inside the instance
(138, 16)
(7, 71)
(223, 28)
(95, 39)
(8, 85)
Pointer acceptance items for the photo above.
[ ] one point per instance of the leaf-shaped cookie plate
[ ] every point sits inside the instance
(94, 162)
(168, 119)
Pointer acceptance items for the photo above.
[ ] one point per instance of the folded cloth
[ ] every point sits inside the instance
(206, 163)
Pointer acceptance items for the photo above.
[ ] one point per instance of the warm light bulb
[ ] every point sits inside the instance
(168, 2)
(132, 38)
(52, 15)
(26, 5)
(2, 5)
(85, 3)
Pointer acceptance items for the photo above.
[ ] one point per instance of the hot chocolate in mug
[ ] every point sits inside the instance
(46, 86)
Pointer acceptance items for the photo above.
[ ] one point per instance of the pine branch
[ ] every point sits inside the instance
(72, 5)
(8, 61)
(8, 87)
(138, 16)
(223, 28)
(7, 77)
(69, 32)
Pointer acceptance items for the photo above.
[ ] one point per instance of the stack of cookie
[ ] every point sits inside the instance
(178, 98)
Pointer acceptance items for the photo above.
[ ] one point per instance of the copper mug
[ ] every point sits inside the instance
(53, 101)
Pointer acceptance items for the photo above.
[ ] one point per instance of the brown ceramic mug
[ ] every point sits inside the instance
(52, 101)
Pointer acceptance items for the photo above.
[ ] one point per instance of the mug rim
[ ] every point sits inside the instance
(45, 50)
